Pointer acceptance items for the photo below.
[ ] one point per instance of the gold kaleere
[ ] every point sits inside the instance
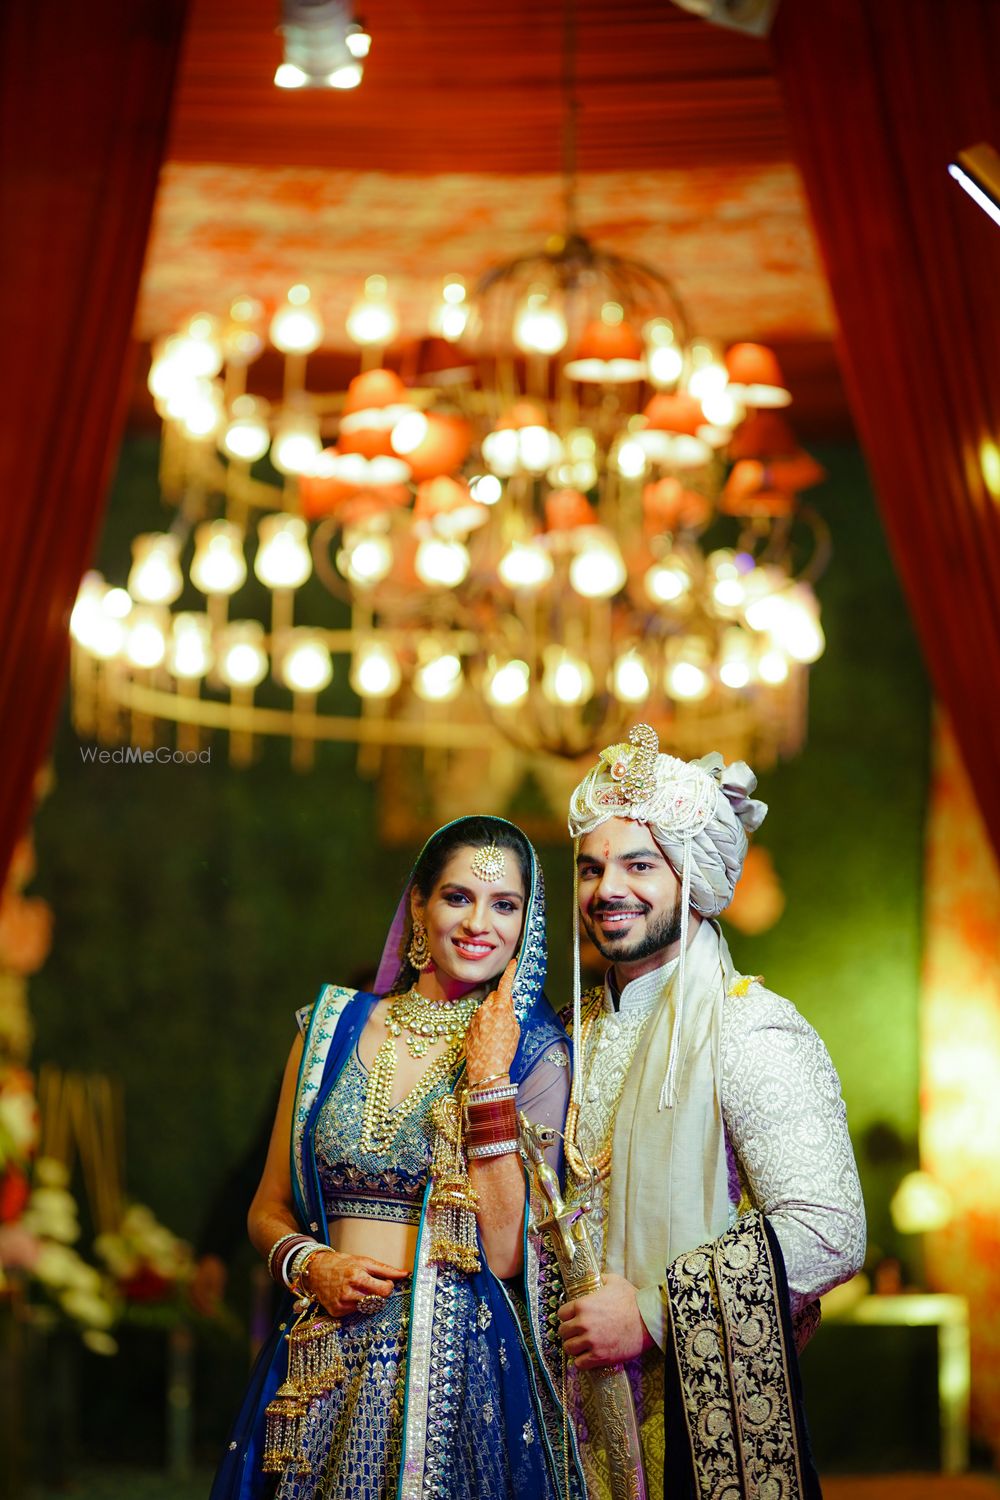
(453, 1200)
(315, 1366)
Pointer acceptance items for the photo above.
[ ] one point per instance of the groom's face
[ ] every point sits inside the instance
(629, 895)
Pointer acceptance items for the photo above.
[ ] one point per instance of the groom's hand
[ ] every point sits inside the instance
(604, 1328)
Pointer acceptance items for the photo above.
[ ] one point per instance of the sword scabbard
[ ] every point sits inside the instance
(566, 1230)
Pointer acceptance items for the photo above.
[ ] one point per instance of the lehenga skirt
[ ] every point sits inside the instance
(353, 1435)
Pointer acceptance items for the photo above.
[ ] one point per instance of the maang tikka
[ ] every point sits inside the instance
(489, 863)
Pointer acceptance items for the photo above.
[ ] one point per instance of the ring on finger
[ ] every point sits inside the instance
(370, 1302)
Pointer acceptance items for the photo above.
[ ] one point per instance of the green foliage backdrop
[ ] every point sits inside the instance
(196, 907)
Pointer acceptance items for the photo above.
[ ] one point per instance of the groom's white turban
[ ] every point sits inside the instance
(702, 807)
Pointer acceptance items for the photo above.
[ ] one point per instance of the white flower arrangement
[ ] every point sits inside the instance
(143, 1243)
(73, 1287)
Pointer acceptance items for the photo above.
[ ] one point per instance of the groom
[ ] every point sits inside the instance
(708, 1133)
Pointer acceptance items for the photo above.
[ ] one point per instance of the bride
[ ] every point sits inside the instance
(394, 1204)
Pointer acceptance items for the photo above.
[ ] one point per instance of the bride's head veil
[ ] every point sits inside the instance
(529, 977)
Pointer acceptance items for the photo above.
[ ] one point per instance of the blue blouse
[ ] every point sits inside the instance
(359, 1183)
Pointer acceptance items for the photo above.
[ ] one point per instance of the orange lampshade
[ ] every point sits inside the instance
(443, 448)
(679, 413)
(325, 493)
(755, 376)
(371, 442)
(331, 497)
(438, 357)
(448, 504)
(751, 491)
(361, 506)
(607, 354)
(607, 341)
(753, 364)
(669, 506)
(764, 435)
(319, 495)
(375, 389)
(799, 472)
(523, 414)
(567, 509)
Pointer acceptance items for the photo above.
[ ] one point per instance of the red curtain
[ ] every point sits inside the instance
(880, 96)
(84, 103)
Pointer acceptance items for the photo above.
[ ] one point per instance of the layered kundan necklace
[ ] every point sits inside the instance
(419, 1021)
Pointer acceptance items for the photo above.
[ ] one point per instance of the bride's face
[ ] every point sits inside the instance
(473, 925)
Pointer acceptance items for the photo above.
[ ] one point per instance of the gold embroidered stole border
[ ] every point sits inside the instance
(736, 1392)
(418, 1365)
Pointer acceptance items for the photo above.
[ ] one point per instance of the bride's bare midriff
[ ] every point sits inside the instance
(395, 1244)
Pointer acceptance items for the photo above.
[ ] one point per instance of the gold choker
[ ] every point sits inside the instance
(425, 1021)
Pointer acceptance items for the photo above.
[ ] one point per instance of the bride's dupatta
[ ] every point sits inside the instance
(523, 1413)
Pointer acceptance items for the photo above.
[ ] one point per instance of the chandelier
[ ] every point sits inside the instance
(556, 511)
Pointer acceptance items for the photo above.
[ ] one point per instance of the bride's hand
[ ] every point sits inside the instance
(492, 1037)
(338, 1281)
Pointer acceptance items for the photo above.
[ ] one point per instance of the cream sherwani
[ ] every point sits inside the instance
(787, 1150)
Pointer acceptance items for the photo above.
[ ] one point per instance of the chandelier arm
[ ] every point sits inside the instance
(556, 743)
(775, 540)
(322, 542)
(508, 268)
(778, 543)
(822, 545)
(613, 264)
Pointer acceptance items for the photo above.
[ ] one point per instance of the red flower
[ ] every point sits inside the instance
(146, 1285)
(14, 1193)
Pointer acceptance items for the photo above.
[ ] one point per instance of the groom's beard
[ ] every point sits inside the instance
(660, 932)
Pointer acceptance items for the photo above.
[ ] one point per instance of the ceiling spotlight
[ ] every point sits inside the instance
(324, 45)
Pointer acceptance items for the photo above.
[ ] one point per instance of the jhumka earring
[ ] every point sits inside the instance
(418, 953)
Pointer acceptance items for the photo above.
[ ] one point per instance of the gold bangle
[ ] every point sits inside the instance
(493, 1078)
(296, 1273)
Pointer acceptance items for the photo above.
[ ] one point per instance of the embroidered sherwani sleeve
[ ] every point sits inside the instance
(787, 1123)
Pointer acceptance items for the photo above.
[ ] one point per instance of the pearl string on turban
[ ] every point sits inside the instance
(699, 812)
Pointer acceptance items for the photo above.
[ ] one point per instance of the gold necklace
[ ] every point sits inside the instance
(585, 1169)
(425, 1020)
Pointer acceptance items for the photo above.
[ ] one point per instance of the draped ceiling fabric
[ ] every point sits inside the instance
(880, 98)
(84, 101)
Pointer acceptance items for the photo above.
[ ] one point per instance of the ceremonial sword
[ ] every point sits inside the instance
(568, 1234)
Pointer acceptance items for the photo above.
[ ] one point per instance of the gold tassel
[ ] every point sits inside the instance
(453, 1201)
(315, 1366)
(283, 1433)
(317, 1349)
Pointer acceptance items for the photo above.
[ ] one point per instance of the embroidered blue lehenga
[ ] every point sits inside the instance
(452, 1388)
